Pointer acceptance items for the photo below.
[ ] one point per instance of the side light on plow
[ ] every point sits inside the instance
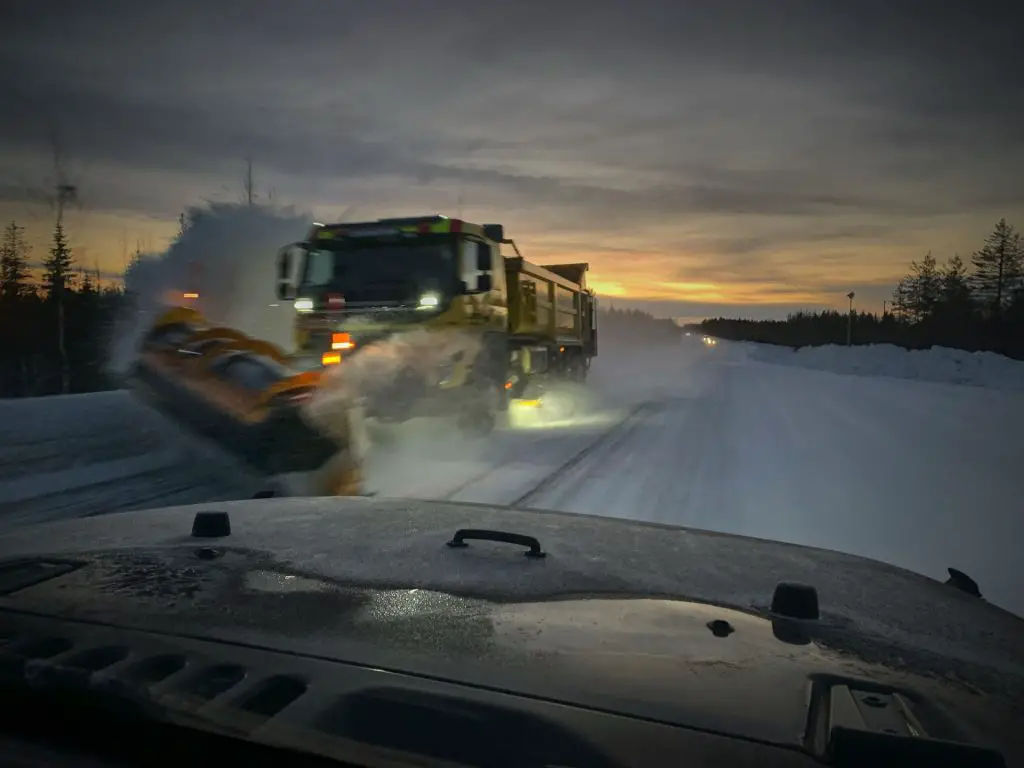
(341, 341)
(330, 358)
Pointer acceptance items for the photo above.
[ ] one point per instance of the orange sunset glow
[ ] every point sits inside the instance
(705, 171)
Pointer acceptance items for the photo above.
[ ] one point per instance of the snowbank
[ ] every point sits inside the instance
(938, 364)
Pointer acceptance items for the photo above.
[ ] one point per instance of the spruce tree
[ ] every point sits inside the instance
(14, 272)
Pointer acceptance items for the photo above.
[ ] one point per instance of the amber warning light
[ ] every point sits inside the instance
(341, 341)
(190, 295)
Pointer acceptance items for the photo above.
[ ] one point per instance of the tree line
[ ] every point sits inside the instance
(974, 305)
(54, 332)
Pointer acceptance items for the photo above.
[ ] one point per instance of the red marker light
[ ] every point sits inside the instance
(335, 301)
(341, 341)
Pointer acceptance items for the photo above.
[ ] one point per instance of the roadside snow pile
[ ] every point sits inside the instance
(938, 364)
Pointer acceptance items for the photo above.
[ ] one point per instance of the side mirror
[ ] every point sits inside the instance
(483, 283)
(495, 232)
(483, 257)
(285, 290)
(284, 263)
(286, 269)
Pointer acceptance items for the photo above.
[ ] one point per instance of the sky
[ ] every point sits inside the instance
(727, 157)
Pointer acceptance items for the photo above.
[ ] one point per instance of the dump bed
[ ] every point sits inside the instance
(549, 302)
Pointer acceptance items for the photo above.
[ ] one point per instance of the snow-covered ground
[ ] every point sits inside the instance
(914, 473)
(938, 364)
(82, 455)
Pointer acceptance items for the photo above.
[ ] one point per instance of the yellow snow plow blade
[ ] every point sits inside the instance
(239, 393)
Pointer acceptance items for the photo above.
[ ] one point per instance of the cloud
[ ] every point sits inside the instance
(783, 139)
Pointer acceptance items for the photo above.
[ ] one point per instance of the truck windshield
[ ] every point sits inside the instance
(381, 271)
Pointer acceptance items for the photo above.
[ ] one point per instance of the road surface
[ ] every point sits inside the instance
(911, 473)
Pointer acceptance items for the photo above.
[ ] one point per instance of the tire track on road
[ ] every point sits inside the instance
(614, 433)
(614, 436)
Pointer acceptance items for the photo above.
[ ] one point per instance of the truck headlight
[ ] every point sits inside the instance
(303, 305)
(429, 300)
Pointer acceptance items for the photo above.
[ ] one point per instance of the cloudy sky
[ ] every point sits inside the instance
(706, 157)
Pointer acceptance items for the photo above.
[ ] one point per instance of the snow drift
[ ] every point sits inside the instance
(938, 364)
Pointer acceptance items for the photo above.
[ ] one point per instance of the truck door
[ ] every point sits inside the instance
(482, 269)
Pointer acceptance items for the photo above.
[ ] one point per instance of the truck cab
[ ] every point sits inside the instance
(372, 279)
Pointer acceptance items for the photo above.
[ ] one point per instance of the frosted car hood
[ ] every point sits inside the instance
(657, 622)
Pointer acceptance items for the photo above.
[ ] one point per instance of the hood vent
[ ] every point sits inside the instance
(155, 669)
(284, 698)
(269, 695)
(96, 659)
(272, 695)
(209, 682)
(39, 647)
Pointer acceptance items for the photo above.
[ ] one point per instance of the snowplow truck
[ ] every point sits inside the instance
(240, 394)
(504, 327)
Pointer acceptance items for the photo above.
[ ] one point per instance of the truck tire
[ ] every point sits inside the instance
(576, 367)
(481, 416)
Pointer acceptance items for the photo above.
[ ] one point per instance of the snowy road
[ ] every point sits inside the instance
(92, 454)
(911, 473)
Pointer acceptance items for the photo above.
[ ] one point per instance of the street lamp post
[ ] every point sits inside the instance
(849, 321)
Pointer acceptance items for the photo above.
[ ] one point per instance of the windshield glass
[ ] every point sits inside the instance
(380, 271)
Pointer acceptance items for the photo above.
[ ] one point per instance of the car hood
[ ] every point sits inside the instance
(662, 623)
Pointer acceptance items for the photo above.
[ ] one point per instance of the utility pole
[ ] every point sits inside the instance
(884, 305)
(249, 188)
(849, 321)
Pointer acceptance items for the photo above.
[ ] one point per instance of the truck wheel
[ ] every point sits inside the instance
(576, 368)
(584, 368)
(476, 423)
(480, 418)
